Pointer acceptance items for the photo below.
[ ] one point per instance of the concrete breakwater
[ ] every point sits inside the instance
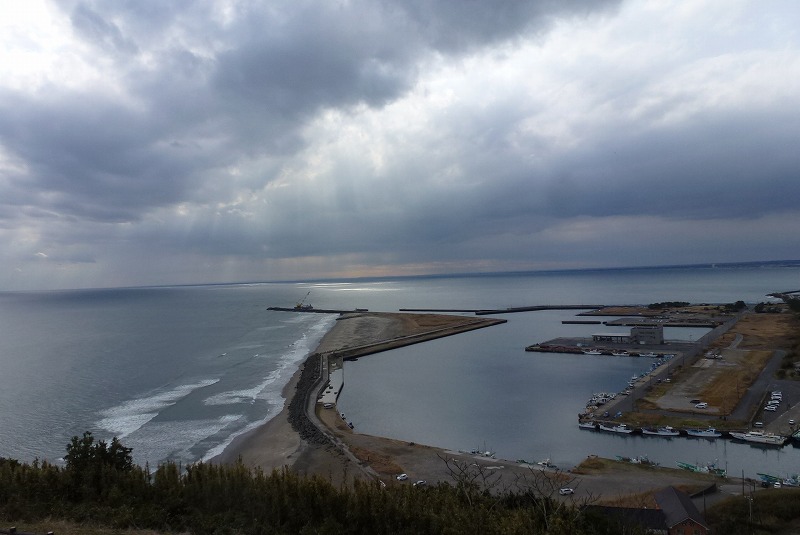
(510, 310)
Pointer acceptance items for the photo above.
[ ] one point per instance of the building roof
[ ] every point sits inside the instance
(650, 519)
(678, 507)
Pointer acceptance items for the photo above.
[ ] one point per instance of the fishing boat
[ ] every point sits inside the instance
(546, 464)
(769, 479)
(587, 425)
(710, 468)
(760, 437)
(664, 431)
(619, 428)
(703, 433)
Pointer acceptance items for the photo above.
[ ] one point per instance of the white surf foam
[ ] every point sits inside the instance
(128, 417)
(272, 386)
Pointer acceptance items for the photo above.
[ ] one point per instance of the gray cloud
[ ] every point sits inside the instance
(438, 134)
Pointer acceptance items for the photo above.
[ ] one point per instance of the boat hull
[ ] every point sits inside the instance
(622, 429)
(703, 433)
(760, 438)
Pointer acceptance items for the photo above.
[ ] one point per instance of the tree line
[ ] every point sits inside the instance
(100, 485)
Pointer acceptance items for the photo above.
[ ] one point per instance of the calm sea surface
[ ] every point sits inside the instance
(178, 372)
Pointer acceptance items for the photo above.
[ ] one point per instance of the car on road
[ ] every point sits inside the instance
(402, 477)
(791, 422)
(702, 405)
(566, 491)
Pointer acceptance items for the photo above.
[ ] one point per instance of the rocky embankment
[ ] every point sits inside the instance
(309, 376)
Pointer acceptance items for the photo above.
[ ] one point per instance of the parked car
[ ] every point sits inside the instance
(791, 422)
(771, 408)
(565, 491)
(402, 477)
(420, 483)
(702, 405)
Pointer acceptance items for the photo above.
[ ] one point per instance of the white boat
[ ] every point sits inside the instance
(592, 352)
(665, 431)
(546, 464)
(703, 433)
(587, 425)
(760, 437)
(619, 428)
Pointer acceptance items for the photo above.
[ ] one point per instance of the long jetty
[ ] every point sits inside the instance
(510, 310)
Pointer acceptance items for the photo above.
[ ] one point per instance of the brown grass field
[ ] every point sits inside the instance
(725, 381)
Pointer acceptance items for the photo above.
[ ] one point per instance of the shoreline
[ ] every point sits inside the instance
(277, 433)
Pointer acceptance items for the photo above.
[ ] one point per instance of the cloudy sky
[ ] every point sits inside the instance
(155, 142)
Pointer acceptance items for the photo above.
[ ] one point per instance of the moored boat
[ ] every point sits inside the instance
(664, 431)
(587, 425)
(710, 468)
(760, 437)
(703, 433)
(618, 428)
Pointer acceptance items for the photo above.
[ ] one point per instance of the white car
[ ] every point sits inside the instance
(702, 405)
(402, 477)
(791, 422)
(565, 491)
(771, 408)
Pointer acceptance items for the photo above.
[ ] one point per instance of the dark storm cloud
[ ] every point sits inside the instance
(93, 158)
(92, 155)
(455, 25)
(735, 164)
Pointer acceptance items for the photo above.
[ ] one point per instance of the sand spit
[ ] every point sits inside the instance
(298, 437)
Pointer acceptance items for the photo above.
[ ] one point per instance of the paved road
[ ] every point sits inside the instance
(754, 396)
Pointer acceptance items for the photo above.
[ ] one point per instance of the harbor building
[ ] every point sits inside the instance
(640, 334)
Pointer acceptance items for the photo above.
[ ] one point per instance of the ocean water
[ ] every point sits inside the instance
(178, 372)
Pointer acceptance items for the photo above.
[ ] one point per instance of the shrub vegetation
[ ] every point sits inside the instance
(100, 486)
